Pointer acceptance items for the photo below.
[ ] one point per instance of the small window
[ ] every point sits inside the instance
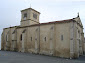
(61, 37)
(79, 33)
(25, 15)
(35, 16)
(45, 38)
(31, 38)
(21, 37)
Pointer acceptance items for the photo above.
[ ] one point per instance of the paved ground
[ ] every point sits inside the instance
(18, 57)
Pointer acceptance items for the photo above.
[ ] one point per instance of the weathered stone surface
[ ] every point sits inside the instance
(60, 38)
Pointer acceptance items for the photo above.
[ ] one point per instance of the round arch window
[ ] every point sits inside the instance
(21, 37)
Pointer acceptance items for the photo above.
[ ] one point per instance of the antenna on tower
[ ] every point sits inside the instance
(30, 5)
(78, 14)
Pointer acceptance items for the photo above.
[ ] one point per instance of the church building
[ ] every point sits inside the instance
(63, 38)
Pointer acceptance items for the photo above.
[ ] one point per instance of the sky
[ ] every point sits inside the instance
(51, 10)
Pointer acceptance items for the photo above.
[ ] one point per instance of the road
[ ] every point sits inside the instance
(18, 57)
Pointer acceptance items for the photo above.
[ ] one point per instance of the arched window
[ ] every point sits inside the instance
(31, 38)
(21, 37)
(7, 37)
(45, 38)
(62, 37)
(25, 15)
(34, 15)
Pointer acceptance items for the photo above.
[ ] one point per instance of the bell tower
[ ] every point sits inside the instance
(29, 17)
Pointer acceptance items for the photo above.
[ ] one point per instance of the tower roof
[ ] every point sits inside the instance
(31, 9)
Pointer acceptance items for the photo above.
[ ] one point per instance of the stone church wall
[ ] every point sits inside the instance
(62, 45)
(6, 39)
(49, 39)
(33, 39)
(59, 38)
(52, 42)
(19, 38)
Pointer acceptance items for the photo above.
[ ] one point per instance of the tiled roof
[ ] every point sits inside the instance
(61, 21)
(31, 9)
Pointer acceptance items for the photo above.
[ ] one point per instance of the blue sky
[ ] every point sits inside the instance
(51, 10)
